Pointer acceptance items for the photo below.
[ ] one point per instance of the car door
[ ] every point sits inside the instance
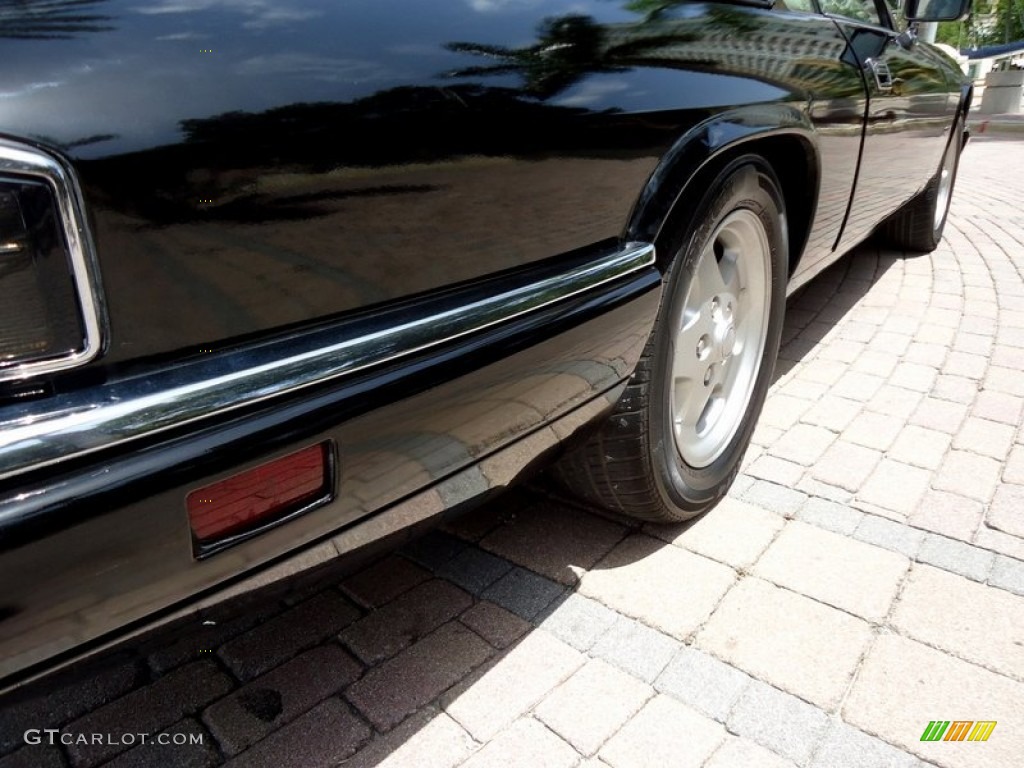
(911, 103)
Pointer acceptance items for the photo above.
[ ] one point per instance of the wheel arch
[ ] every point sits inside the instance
(781, 135)
(964, 109)
(966, 98)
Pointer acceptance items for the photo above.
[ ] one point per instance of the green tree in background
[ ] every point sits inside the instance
(991, 22)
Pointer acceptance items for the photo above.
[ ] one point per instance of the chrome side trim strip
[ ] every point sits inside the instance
(24, 160)
(81, 423)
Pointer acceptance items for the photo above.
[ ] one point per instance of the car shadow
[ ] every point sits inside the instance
(814, 311)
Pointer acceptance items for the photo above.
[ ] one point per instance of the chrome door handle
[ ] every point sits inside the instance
(879, 68)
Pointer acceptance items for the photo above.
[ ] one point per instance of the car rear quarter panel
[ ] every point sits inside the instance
(256, 166)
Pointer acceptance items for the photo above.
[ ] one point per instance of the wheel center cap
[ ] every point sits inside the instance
(725, 339)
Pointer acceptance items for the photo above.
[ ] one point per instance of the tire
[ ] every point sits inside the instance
(673, 445)
(919, 224)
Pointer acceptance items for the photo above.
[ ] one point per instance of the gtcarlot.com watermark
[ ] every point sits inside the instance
(54, 736)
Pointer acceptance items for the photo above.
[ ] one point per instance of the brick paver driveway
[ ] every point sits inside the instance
(864, 578)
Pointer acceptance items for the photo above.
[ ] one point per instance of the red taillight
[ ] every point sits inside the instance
(51, 315)
(249, 499)
(40, 317)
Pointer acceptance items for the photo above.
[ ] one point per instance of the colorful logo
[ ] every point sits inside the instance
(958, 730)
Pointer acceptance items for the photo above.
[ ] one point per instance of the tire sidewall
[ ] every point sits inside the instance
(957, 137)
(747, 182)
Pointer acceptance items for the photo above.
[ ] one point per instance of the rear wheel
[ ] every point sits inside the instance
(919, 224)
(674, 444)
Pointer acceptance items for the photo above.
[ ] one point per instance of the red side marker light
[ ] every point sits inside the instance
(250, 499)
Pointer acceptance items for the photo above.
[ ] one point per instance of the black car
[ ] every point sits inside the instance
(282, 280)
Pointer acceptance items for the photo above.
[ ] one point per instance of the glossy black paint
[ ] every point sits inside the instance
(908, 124)
(254, 169)
(251, 165)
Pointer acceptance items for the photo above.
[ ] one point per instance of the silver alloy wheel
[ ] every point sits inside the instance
(720, 339)
(945, 182)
